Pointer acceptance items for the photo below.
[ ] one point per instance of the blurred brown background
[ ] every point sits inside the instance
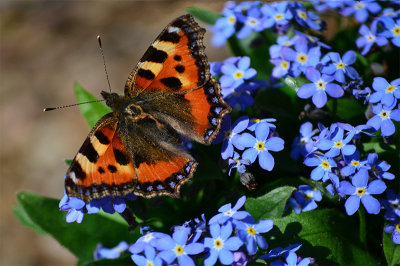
(45, 47)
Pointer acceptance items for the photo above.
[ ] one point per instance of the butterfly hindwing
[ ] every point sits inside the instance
(104, 166)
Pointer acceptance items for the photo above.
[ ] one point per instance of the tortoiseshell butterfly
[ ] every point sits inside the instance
(137, 147)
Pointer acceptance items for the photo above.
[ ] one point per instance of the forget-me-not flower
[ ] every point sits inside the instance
(383, 118)
(249, 232)
(324, 167)
(260, 146)
(360, 9)
(221, 244)
(341, 66)
(229, 213)
(361, 190)
(320, 86)
(369, 37)
(392, 30)
(379, 168)
(385, 92)
(336, 144)
(235, 73)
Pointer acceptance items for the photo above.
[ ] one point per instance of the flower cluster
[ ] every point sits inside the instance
(386, 105)
(384, 26)
(305, 199)
(229, 237)
(237, 80)
(77, 208)
(254, 16)
(336, 160)
(256, 138)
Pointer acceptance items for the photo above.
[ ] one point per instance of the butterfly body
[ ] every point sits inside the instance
(137, 148)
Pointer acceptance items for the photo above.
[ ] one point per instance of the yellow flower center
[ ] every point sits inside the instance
(308, 196)
(232, 20)
(256, 120)
(218, 243)
(278, 16)
(390, 88)
(149, 263)
(355, 163)
(303, 140)
(238, 74)
(338, 144)
(302, 14)
(384, 114)
(285, 64)
(398, 227)
(321, 84)
(359, 5)
(302, 58)
(251, 231)
(253, 21)
(370, 37)
(396, 31)
(360, 191)
(325, 164)
(260, 146)
(178, 250)
(340, 65)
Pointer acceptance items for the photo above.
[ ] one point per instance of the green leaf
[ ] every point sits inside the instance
(327, 235)
(80, 239)
(377, 147)
(391, 250)
(270, 205)
(91, 111)
(24, 218)
(204, 15)
(347, 109)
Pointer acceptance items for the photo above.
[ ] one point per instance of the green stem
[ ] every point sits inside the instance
(363, 226)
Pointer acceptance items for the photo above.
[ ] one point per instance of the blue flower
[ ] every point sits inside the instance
(291, 260)
(353, 163)
(224, 28)
(303, 17)
(369, 37)
(276, 14)
(306, 197)
(240, 259)
(361, 190)
(324, 167)
(392, 30)
(379, 168)
(148, 240)
(383, 119)
(282, 41)
(391, 205)
(358, 129)
(235, 73)
(304, 144)
(385, 92)
(359, 9)
(336, 144)
(253, 21)
(238, 163)
(221, 245)
(281, 68)
(260, 145)
(150, 258)
(394, 229)
(339, 67)
(110, 253)
(75, 207)
(250, 234)
(176, 248)
(319, 87)
(241, 97)
(230, 135)
(227, 213)
(321, 6)
(302, 57)
(254, 123)
(276, 252)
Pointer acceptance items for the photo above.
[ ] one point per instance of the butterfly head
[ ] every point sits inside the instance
(112, 99)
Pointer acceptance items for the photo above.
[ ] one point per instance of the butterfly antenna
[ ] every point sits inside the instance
(70, 105)
(104, 61)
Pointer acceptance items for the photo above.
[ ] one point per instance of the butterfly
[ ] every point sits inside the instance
(137, 148)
